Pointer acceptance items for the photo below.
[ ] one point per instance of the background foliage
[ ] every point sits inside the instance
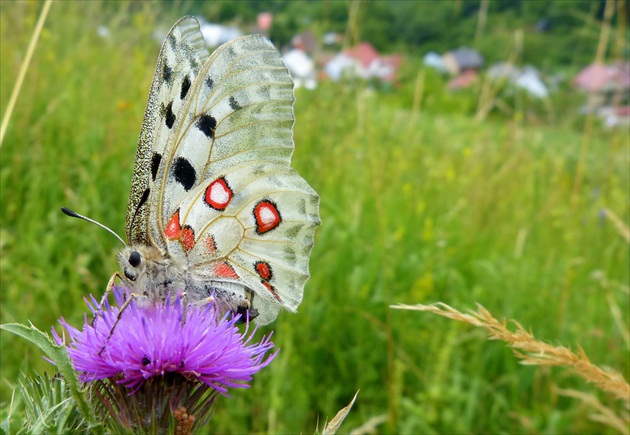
(420, 203)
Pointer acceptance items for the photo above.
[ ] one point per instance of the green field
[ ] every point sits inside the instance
(420, 203)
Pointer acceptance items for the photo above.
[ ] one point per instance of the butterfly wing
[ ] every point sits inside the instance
(262, 238)
(223, 199)
(181, 57)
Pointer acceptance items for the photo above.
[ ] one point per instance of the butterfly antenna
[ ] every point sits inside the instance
(73, 214)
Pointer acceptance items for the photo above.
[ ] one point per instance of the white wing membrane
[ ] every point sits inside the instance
(245, 75)
(214, 152)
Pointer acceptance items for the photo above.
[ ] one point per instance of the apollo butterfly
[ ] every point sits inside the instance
(215, 210)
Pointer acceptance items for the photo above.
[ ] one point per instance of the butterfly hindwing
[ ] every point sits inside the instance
(254, 225)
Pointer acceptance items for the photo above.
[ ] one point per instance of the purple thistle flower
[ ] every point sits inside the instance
(163, 356)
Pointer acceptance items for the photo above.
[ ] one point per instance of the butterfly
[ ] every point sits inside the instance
(215, 210)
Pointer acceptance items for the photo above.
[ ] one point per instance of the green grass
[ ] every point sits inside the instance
(416, 208)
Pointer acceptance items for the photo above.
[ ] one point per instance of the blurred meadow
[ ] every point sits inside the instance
(426, 196)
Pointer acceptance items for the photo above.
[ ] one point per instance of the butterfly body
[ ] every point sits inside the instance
(155, 275)
(215, 209)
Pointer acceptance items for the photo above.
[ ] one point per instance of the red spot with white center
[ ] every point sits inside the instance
(225, 270)
(267, 216)
(188, 237)
(218, 194)
(173, 228)
(263, 269)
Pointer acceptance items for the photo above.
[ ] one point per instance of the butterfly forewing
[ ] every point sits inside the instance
(239, 110)
(181, 57)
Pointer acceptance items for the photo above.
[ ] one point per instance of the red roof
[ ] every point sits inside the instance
(597, 77)
(364, 53)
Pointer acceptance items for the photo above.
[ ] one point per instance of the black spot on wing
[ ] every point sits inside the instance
(207, 125)
(185, 87)
(172, 40)
(169, 116)
(209, 82)
(155, 164)
(184, 173)
(234, 104)
(143, 198)
(167, 73)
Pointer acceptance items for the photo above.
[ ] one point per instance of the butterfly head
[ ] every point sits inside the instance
(132, 263)
(150, 272)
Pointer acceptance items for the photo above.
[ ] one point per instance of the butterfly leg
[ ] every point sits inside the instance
(204, 301)
(124, 306)
(108, 291)
(110, 286)
(197, 304)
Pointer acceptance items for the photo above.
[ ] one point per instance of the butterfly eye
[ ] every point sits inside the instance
(134, 259)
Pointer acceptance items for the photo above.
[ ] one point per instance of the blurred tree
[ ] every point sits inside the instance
(433, 25)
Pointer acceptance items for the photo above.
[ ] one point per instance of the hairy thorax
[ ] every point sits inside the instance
(152, 275)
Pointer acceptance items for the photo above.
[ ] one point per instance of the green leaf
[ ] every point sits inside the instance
(59, 355)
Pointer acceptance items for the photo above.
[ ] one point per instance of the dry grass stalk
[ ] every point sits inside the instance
(619, 224)
(332, 427)
(23, 69)
(370, 426)
(603, 414)
(533, 351)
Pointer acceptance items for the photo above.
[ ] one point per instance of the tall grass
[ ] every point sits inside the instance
(418, 206)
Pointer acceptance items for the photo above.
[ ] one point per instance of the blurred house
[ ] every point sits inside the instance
(332, 38)
(464, 80)
(435, 61)
(604, 78)
(264, 21)
(341, 65)
(365, 62)
(462, 59)
(301, 67)
(608, 88)
(217, 34)
(463, 63)
(305, 41)
(527, 78)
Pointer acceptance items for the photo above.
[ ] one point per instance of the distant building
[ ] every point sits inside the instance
(608, 88)
(603, 78)
(264, 21)
(301, 67)
(462, 59)
(527, 78)
(305, 41)
(435, 61)
(363, 61)
(217, 34)
(332, 38)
